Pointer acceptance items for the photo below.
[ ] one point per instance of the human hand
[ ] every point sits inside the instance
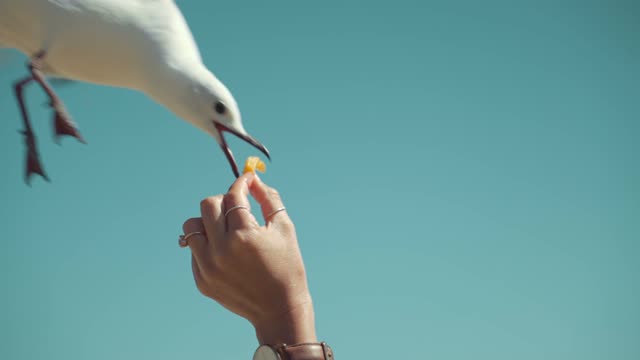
(254, 271)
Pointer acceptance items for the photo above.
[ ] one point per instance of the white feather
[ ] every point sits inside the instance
(138, 44)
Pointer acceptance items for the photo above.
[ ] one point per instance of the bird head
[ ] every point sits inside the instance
(212, 108)
(226, 119)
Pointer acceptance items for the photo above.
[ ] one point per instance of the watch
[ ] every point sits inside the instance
(304, 351)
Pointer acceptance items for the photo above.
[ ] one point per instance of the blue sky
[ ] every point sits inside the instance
(463, 177)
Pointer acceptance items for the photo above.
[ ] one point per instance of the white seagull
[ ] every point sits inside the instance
(144, 45)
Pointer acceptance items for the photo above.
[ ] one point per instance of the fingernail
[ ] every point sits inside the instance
(249, 176)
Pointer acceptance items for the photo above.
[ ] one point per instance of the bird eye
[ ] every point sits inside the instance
(220, 108)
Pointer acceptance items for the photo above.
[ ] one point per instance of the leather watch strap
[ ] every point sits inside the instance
(305, 351)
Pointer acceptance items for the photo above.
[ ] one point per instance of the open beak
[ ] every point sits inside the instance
(227, 152)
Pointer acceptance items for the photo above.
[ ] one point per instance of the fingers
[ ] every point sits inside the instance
(211, 210)
(196, 242)
(236, 205)
(269, 201)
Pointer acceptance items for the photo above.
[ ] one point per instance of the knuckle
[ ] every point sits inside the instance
(287, 227)
(190, 224)
(239, 235)
(204, 288)
(233, 199)
(273, 193)
(210, 203)
(243, 238)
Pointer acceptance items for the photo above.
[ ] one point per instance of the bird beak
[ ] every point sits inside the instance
(227, 152)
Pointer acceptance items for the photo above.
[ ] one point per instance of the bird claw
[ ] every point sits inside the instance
(63, 126)
(34, 166)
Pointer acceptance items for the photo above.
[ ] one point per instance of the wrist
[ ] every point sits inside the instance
(293, 327)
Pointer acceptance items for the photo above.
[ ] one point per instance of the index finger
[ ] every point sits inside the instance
(236, 205)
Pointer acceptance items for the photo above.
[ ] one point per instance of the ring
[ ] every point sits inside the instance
(182, 240)
(235, 208)
(276, 211)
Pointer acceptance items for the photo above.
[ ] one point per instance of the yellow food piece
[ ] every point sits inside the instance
(254, 163)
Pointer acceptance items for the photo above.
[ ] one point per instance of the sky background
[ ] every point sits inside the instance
(464, 177)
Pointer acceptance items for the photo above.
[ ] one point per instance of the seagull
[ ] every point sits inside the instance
(144, 45)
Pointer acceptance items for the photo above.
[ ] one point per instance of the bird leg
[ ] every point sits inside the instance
(33, 159)
(63, 125)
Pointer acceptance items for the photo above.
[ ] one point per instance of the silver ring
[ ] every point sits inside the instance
(276, 211)
(182, 240)
(235, 208)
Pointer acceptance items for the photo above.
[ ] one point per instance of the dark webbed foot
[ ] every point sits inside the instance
(64, 126)
(33, 166)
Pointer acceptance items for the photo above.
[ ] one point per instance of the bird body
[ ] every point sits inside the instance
(121, 43)
(144, 45)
